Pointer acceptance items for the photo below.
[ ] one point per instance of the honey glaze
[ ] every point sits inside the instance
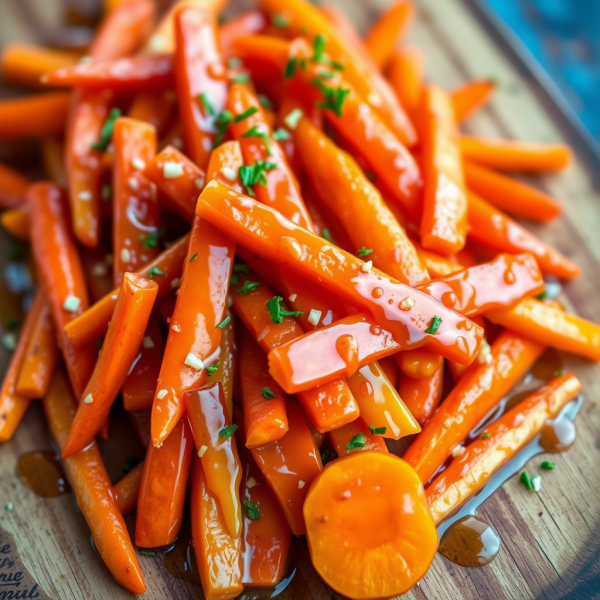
(180, 560)
(42, 473)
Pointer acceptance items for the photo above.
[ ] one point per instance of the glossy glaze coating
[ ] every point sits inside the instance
(42, 473)
(342, 436)
(422, 396)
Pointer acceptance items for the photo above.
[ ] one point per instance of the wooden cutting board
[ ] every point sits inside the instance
(550, 540)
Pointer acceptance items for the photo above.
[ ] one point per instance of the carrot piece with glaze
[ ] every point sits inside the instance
(422, 396)
(93, 491)
(444, 220)
(470, 97)
(119, 350)
(155, 109)
(419, 363)
(356, 437)
(405, 75)
(436, 264)
(345, 27)
(126, 491)
(163, 488)
(13, 187)
(468, 472)
(227, 365)
(17, 222)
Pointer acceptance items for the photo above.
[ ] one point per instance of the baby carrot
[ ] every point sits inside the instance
(389, 366)
(422, 396)
(470, 97)
(265, 419)
(93, 491)
(444, 220)
(514, 155)
(405, 75)
(119, 350)
(511, 195)
(13, 187)
(355, 437)
(469, 471)
(17, 222)
(227, 361)
(419, 363)
(40, 357)
(476, 393)
(163, 488)
(436, 264)
(127, 489)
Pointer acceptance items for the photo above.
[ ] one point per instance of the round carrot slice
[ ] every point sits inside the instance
(368, 526)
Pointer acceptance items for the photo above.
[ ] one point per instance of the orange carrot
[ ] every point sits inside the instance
(93, 491)
(422, 396)
(155, 109)
(227, 364)
(436, 264)
(419, 363)
(127, 489)
(355, 437)
(390, 368)
(17, 222)
(345, 27)
(470, 97)
(53, 153)
(12, 188)
(405, 75)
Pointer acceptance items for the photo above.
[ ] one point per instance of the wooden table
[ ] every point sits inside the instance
(550, 540)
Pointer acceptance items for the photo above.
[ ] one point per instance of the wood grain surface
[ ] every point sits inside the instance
(550, 540)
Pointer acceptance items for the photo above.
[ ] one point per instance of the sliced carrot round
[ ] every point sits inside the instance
(368, 526)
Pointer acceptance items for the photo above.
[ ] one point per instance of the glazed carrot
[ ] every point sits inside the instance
(218, 553)
(93, 491)
(477, 392)
(25, 64)
(266, 540)
(327, 406)
(163, 488)
(514, 155)
(120, 348)
(436, 264)
(289, 465)
(551, 326)
(264, 231)
(263, 55)
(250, 22)
(17, 222)
(40, 357)
(390, 368)
(511, 195)
(468, 472)
(419, 363)
(201, 89)
(34, 116)
(139, 386)
(388, 31)
(379, 403)
(422, 396)
(366, 516)
(92, 323)
(265, 419)
(405, 75)
(53, 153)
(444, 221)
(303, 19)
(135, 208)
(227, 365)
(13, 187)
(193, 342)
(495, 230)
(357, 432)
(358, 205)
(470, 97)
(215, 443)
(155, 109)
(127, 489)
(344, 27)
(61, 273)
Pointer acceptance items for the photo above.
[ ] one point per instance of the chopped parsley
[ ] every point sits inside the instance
(542, 296)
(290, 68)
(267, 393)
(194, 257)
(252, 510)
(151, 239)
(326, 456)
(327, 235)
(254, 132)
(334, 97)
(247, 287)
(548, 465)
(265, 102)
(280, 20)
(235, 279)
(228, 431)
(224, 323)
(362, 251)
(107, 131)
(377, 430)
(358, 441)
(13, 323)
(155, 271)
(212, 369)
(526, 480)
(434, 325)
(241, 78)
(255, 174)
(281, 135)
(223, 121)
(208, 107)
(559, 372)
(325, 74)
(485, 436)
(234, 62)
(247, 113)
(277, 312)
(147, 552)
(319, 46)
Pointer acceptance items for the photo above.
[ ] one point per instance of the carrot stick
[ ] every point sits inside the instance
(248, 23)
(227, 364)
(155, 109)
(495, 230)
(390, 368)
(468, 472)
(92, 323)
(551, 326)
(476, 393)
(40, 357)
(34, 116)
(265, 419)
(355, 437)
(511, 195)
(57, 259)
(436, 264)
(193, 343)
(419, 363)
(359, 206)
(17, 222)
(135, 209)
(405, 75)
(289, 465)
(25, 64)
(127, 489)
(93, 491)
(388, 31)
(53, 154)
(139, 386)
(327, 406)
(422, 396)
(163, 488)
(470, 97)
(444, 220)
(215, 443)
(201, 90)
(13, 187)
(218, 553)
(514, 155)
(119, 350)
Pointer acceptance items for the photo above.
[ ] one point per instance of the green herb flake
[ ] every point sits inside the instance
(319, 47)
(526, 480)
(247, 113)
(254, 132)
(130, 464)
(247, 287)
(224, 323)
(277, 311)
(327, 235)
(234, 62)
(281, 135)
(13, 323)
(255, 174)
(212, 369)
(377, 430)
(150, 240)
(265, 102)
(357, 442)
(334, 97)
(235, 279)
(280, 20)
(107, 131)
(290, 68)
(434, 325)
(106, 192)
(326, 456)
(485, 436)
(267, 393)
(241, 78)
(252, 510)
(228, 431)
(155, 271)
(241, 268)
(362, 251)
(542, 296)
(147, 552)
(222, 122)
(194, 257)
(548, 465)
(559, 372)
(209, 109)
(326, 74)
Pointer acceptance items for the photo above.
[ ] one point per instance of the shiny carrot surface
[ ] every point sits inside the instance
(405, 75)
(422, 396)
(469, 97)
(227, 365)
(356, 437)
(419, 363)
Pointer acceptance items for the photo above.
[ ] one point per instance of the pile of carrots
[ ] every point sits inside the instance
(282, 245)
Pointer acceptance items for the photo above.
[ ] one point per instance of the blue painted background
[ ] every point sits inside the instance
(564, 36)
